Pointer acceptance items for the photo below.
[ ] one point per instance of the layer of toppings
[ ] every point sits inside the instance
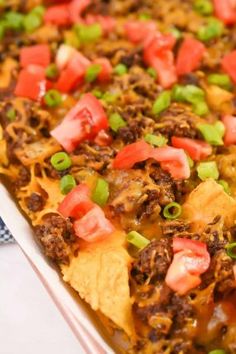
(118, 118)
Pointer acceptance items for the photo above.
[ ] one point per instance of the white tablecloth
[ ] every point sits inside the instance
(29, 320)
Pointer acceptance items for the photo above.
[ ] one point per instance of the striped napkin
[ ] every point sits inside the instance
(5, 235)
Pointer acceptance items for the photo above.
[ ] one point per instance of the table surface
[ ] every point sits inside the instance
(29, 320)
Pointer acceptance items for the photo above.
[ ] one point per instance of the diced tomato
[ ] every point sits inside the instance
(76, 203)
(103, 138)
(229, 64)
(35, 55)
(189, 56)
(197, 149)
(173, 161)
(131, 154)
(107, 22)
(31, 83)
(64, 55)
(139, 31)
(191, 259)
(230, 130)
(158, 54)
(106, 72)
(82, 122)
(58, 15)
(76, 8)
(73, 74)
(93, 226)
(225, 10)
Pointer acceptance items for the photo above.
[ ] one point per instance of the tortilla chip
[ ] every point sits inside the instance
(100, 275)
(206, 202)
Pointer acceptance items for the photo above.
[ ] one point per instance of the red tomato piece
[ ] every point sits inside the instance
(64, 55)
(35, 55)
(107, 22)
(139, 31)
(225, 10)
(106, 72)
(189, 56)
(58, 15)
(31, 83)
(230, 130)
(84, 121)
(103, 138)
(191, 259)
(229, 64)
(93, 226)
(197, 149)
(73, 74)
(173, 161)
(158, 54)
(76, 203)
(131, 154)
(76, 8)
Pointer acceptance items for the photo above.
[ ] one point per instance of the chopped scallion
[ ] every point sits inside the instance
(67, 183)
(152, 72)
(92, 72)
(221, 80)
(231, 250)
(207, 170)
(162, 102)
(213, 29)
(120, 69)
(137, 239)
(116, 122)
(172, 210)
(52, 98)
(61, 161)
(203, 7)
(213, 134)
(11, 114)
(225, 185)
(51, 71)
(101, 192)
(89, 33)
(156, 140)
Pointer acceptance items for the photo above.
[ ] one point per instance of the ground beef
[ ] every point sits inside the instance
(23, 177)
(178, 120)
(166, 183)
(171, 228)
(153, 262)
(35, 202)
(130, 133)
(55, 235)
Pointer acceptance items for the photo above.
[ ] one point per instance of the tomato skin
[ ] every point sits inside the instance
(130, 154)
(76, 7)
(58, 15)
(77, 202)
(93, 226)
(158, 54)
(173, 161)
(139, 31)
(229, 64)
(31, 83)
(230, 130)
(191, 259)
(84, 121)
(35, 55)
(225, 10)
(106, 72)
(189, 56)
(196, 149)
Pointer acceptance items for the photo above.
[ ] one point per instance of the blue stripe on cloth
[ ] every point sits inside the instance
(5, 235)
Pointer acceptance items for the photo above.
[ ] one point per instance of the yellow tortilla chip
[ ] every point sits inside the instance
(206, 202)
(100, 275)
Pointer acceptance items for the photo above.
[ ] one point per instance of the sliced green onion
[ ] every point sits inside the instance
(97, 93)
(230, 250)
(31, 22)
(92, 72)
(162, 102)
(11, 114)
(144, 17)
(207, 170)
(137, 239)
(172, 210)
(38, 10)
(2, 29)
(52, 71)
(101, 192)
(219, 126)
(53, 98)
(109, 97)
(189, 93)
(152, 72)
(61, 161)
(211, 133)
(190, 161)
(156, 140)
(89, 33)
(203, 7)
(213, 29)
(14, 20)
(116, 122)
(175, 32)
(217, 351)
(200, 108)
(221, 80)
(225, 185)
(120, 69)
(67, 183)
